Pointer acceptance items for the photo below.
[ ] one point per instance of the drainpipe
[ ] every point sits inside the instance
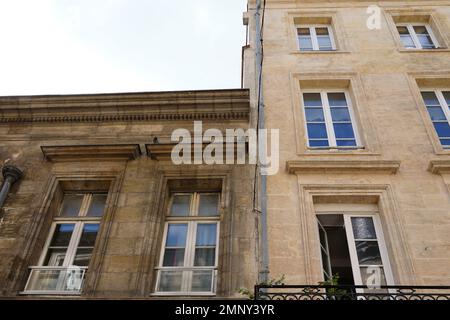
(263, 275)
(10, 175)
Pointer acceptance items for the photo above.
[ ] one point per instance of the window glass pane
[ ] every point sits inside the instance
(173, 258)
(420, 30)
(324, 43)
(346, 143)
(430, 98)
(368, 253)
(442, 129)
(170, 281)
(436, 113)
(305, 43)
(205, 257)
(55, 257)
(372, 276)
(403, 30)
(176, 235)
(97, 206)
(426, 42)
(340, 114)
(202, 281)
(208, 205)
(447, 97)
(303, 31)
(82, 257)
(337, 99)
(62, 235)
(407, 41)
(445, 142)
(180, 205)
(318, 143)
(322, 31)
(343, 130)
(314, 115)
(89, 235)
(312, 100)
(206, 234)
(317, 130)
(71, 205)
(363, 228)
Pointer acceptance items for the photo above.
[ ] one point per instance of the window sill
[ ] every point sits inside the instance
(319, 52)
(402, 50)
(50, 293)
(183, 294)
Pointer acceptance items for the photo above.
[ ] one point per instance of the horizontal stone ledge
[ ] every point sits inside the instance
(91, 152)
(305, 166)
(439, 166)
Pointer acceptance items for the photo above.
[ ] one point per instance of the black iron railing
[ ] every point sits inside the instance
(350, 292)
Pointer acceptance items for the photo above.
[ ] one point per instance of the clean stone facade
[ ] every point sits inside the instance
(400, 173)
(120, 144)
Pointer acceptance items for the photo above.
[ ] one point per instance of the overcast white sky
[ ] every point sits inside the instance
(90, 46)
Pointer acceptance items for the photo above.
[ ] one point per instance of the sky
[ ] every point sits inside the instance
(94, 46)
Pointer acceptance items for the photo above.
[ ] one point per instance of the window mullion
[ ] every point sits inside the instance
(73, 244)
(328, 119)
(85, 205)
(314, 40)
(414, 37)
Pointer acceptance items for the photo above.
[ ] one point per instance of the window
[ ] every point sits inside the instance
(417, 36)
(70, 245)
(329, 120)
(315, 38)
(188, 262)
(353, 247)
(438, 106)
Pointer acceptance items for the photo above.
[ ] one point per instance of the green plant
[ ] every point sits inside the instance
(334, 281)
(272, 282)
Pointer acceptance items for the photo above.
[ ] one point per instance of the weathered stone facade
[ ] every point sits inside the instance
(400, 172)
(116, 143)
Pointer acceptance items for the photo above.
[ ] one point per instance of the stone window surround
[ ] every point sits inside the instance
(155, 228)
(411, 15)
(316, 17)
(382, 195)
(41, 221)
(350, 82)
(428, 81)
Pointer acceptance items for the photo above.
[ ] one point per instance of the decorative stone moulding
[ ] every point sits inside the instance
(386, 166)
(91, 152)
(231, 104)
(439, 166)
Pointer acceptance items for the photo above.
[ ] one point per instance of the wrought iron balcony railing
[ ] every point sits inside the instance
(349, 292)
(55, 280)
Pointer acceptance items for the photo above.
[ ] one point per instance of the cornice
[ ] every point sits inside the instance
(305, 166)
(91, 152)
(439, 166)
(219, 105)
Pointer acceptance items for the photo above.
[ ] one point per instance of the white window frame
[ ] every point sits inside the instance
(192, 221)
(444, 107)
(386, 265)
(313, 35)
(332, 144)
(415, 39)
(381, 245)
(79, 222)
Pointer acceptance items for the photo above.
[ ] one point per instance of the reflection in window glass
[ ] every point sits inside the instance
(181, 205)
(97, 205)
(71, 205)
(208, 205)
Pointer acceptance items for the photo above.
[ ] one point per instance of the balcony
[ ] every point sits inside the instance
(186, 281)
(52, 280)
(351, 292)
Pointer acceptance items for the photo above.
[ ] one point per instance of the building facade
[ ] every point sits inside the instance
(94, 207)
(361, 96)
(99, 210)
